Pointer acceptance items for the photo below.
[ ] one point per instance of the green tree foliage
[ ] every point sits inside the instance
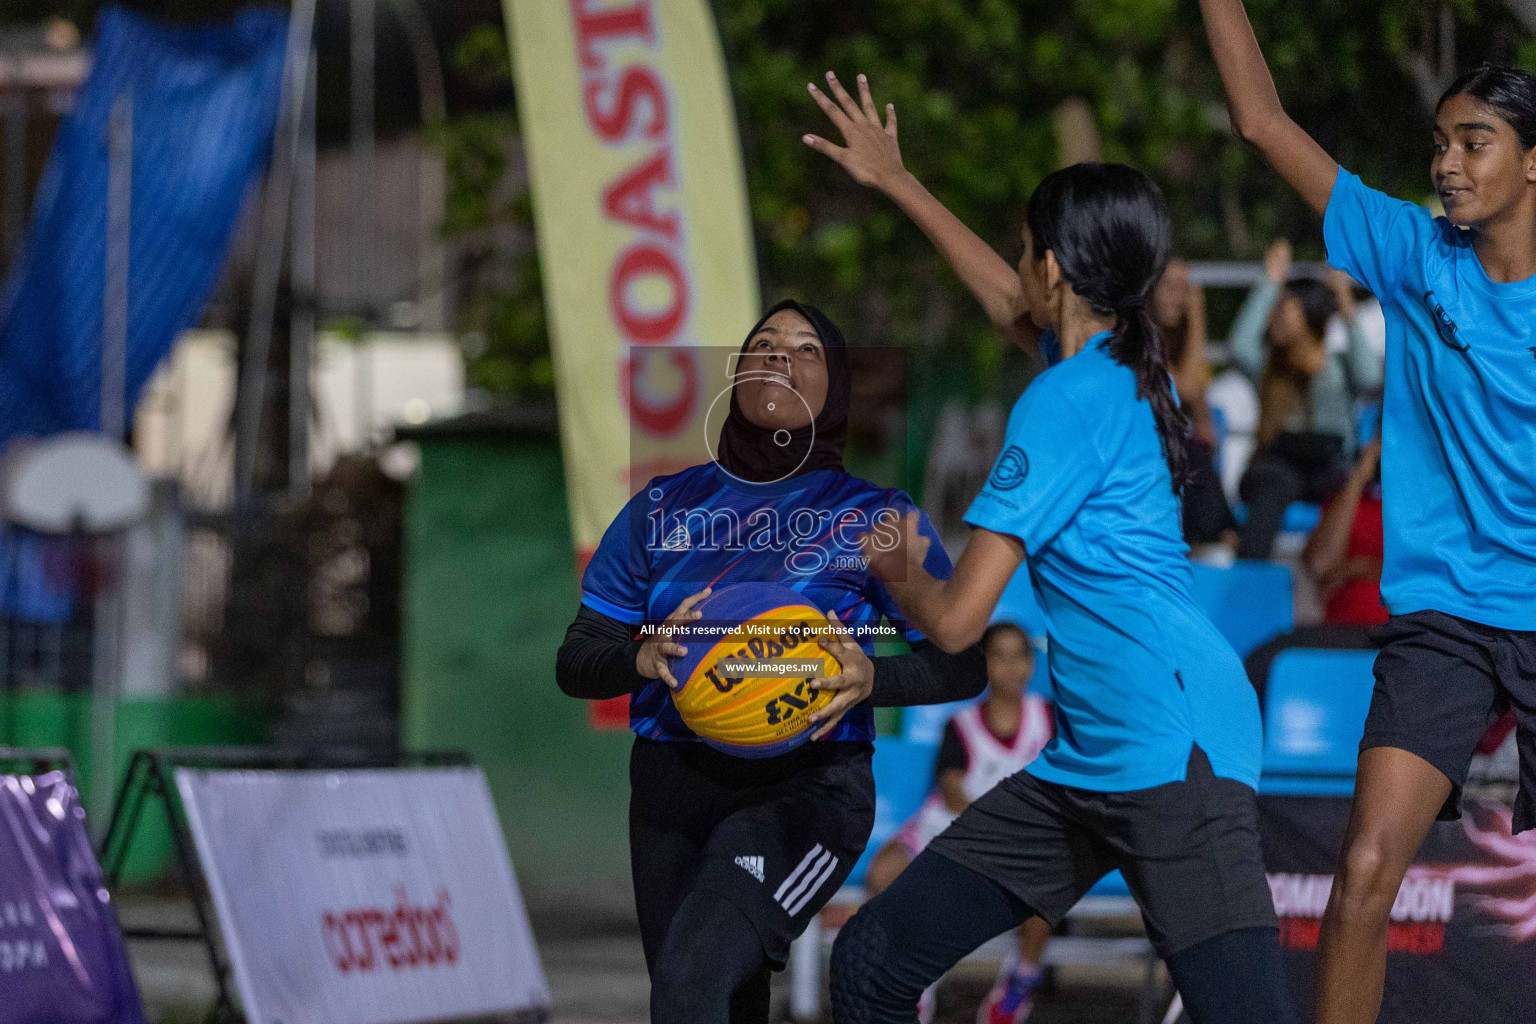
(500, 310)
(975, 83)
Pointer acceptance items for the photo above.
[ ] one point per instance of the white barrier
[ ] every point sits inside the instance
(377, 896)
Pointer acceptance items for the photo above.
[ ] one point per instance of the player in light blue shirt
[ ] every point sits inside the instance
(1459, 488)
(1156, 754)
(1140, 672)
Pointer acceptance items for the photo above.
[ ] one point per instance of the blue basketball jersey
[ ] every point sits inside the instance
(704, 527)
(1459, 421)
(1138, 672)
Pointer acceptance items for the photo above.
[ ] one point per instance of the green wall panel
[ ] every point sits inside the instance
(490, 586)
(50, 719)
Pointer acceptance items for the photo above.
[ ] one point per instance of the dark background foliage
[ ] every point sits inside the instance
(976, 84)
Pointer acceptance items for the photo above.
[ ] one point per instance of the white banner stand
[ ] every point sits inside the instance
(363, 896)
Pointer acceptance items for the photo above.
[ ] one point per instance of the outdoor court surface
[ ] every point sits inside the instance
(590, 946)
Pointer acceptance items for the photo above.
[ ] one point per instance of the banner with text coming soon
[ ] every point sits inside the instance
(644, 240)
(363, 896)
(1461, 945)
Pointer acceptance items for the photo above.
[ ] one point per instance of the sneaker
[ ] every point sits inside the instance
(927, 1003)
(1012, 997)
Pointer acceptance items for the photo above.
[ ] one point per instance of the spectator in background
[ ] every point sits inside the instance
(982, 745)
(1306, 393)
(1344, 556)
(1178, 307)
(1344, 553)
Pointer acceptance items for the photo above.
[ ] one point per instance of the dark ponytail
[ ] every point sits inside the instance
(1108, 227)
(1509, 91)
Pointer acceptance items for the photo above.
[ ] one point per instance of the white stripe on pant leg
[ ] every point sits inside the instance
(806, 877)
(815, 887)
(796, 873)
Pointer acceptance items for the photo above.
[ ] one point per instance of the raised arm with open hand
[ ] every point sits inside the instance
(871, 155)
(1257, 115)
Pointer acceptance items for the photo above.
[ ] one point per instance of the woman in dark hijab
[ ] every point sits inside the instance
(732, 857)
(754, 448)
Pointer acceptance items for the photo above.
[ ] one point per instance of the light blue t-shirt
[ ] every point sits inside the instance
(1458, 456)
(1138, 671)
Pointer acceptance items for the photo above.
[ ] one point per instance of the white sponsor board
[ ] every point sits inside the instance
(363, 896)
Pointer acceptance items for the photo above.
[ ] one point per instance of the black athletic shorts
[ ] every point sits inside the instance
(1440, 683)
(775, 837)
(1188, 850)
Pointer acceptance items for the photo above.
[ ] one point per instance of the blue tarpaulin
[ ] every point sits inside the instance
(205, 103)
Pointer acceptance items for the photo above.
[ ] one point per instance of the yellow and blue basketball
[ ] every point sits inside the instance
(755, 715)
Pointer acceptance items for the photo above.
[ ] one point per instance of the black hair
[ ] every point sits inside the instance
(1317, 303)
(1108, 226)
(1509, 91)
(997, 629)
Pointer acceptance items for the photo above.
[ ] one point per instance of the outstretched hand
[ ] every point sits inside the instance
(870, 154)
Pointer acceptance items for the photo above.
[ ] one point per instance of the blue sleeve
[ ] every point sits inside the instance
(936, 564)
(618, 578)
(1048, 467)
(1371, 236)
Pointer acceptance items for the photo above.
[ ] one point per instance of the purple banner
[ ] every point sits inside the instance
(62, 959)
(1461, 945)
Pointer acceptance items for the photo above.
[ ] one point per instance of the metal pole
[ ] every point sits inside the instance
(107, 670)
(364, 226)
(430, 271)
(251, 395)
(301, 339)
(1447, 43)
(114, 327)
(106, 631)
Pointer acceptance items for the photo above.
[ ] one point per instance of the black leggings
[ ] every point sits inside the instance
(677, 921)
(938, 911)
(729, 984)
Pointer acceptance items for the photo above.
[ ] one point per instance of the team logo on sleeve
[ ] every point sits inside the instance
(1011, 469)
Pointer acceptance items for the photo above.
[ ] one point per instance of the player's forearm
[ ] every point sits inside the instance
(985, 274)
(1251, 96)
(597, 659)
(1330, 540)
(952, 785)
(1258, 117)
(1190, 374)
(933, 607)
(928, 675)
